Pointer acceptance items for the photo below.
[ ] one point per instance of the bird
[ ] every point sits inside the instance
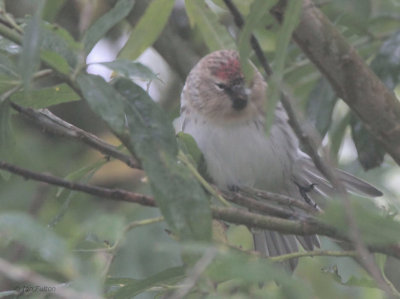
(226, 117)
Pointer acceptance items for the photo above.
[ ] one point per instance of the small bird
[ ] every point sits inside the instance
(226, 118)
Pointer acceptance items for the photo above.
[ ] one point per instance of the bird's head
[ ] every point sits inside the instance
(217, 89)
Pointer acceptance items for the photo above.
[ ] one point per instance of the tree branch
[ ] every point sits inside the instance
(55, 125)
(115, 194)
(233, 215)
(295, 255)
(350, 76)
(264, 207)
(281, 199)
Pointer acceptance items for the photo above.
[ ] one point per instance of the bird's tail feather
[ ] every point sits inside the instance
(271, 243)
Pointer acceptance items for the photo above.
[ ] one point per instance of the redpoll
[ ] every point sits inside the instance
(226, 118)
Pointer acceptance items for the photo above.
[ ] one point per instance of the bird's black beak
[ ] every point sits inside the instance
(238, 97)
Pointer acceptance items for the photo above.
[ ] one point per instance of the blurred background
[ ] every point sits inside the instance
(86, 223)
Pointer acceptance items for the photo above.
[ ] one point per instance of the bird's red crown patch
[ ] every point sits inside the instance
(227, 69)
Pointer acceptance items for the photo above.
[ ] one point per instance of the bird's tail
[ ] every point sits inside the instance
(271, 243)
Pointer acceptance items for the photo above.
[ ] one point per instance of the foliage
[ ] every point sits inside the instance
(121, 250)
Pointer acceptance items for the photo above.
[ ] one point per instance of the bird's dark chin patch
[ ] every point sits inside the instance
(239, 104)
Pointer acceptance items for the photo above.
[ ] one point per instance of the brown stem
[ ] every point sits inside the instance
(232, 215)
(262, 207)
(55, 125)
(115, 194)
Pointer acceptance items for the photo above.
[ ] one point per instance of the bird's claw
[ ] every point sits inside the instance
(233, 188)
(303, 192)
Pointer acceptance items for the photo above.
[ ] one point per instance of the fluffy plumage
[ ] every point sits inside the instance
(226, 118)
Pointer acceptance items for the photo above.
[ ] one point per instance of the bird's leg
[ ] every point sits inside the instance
(233, 188)
(303, 192)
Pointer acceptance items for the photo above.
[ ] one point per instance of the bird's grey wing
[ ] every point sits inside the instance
(305, 173)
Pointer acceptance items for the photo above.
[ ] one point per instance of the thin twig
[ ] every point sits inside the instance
(55, 125)
(202, 181)
(115, 194)
(281, 199)
(295, 255)
(262, 207)
(195, 273)
(112, 251)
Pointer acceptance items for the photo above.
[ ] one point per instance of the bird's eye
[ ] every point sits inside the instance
(221, 86)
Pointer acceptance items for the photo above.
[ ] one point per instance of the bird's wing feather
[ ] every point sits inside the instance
(305, 171)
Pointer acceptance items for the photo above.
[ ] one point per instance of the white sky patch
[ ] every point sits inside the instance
(106, 51)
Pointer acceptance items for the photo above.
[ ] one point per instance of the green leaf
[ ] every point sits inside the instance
(104, 228)
(376, 228)
(105, 101)
(20, 227)
(7, 83)
(392, 271)
(99, 29)
(352, 281)
(290, 21)
(370, 153)
(29, 60)
(7, 66)
(77, 175)
(147, 132)
(320, 106)
(189, 146)
(45, 97)
(130, 69)
(247, 271)
(9, 75)
(82, 175)
(56, 61)
(259, 12)
(8, 46)
(386, 64)
(147, 29)
(214, 34)
(51, 9)
(356, 16)
(129, 287)
(57, 39)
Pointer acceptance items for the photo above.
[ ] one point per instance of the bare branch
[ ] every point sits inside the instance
(115, 194)
(281, 199)
(264, 207)
(55, 125)
(295, 255)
